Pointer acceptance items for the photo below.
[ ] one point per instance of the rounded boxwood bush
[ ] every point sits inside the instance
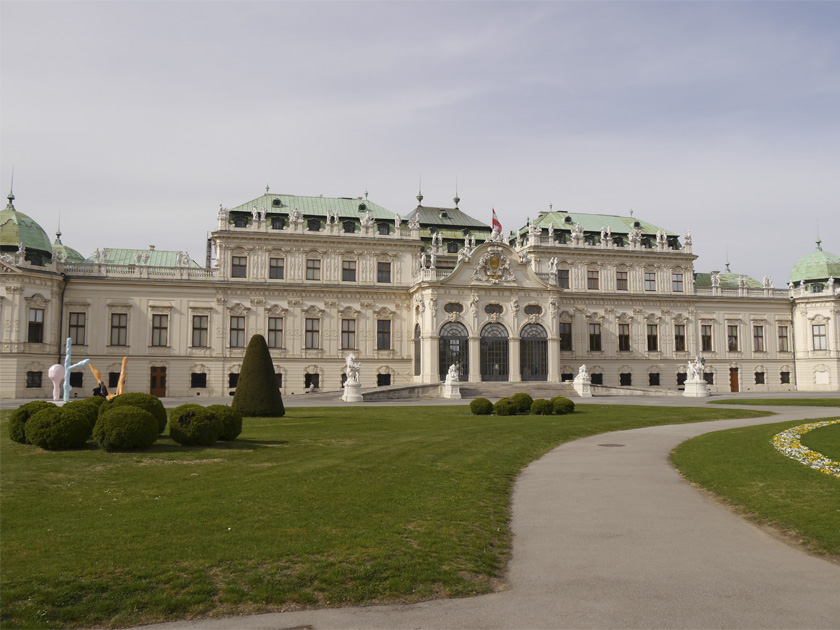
(562, 405)
(231, 421)
(84, 407)
(95, 400)
(19, 417)
(194, 425)
(148, 402)
(522, 401)
(124, 428)
(542, 407)
(57, 428)
(481, 407)
(505, 407)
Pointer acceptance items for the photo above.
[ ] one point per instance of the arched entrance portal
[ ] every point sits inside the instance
(454, 348)
(495, 359)
(533, 353)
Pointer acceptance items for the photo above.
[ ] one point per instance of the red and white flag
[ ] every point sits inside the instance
(496, 225)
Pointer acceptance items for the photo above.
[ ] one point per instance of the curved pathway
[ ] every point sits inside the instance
(612, 537)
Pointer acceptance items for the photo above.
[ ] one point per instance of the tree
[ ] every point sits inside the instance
(257, 393)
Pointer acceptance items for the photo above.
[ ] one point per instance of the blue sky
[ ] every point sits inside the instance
(134, 120)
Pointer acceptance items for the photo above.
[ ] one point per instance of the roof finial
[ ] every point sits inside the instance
(266, 188)
(420, 192)
(631, 213)
(58, 231)
(11, 195)
(456, 198)
(550, 206)
(819, 240)
(366, 194)
(727, 260)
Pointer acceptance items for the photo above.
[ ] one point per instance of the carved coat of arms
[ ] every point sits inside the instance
(493, 267)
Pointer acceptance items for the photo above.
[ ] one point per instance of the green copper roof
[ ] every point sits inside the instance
(62, 252)
(16, 228)
(727, 280)
(446, 218)
(818, 265)
(157, 258)
(315, 206)
(594, 223)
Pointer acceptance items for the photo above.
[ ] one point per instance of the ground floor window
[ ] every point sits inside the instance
(198, 381)
(784, 377)
(681, 378)
(625, 379)
(597, 379)
(710, 378)
(279, 378)
(311, 380)
(568, 376)
(77, 379)
(759, 378)
(653, 379)
(383, 379)
(33, 379)
(233, 379)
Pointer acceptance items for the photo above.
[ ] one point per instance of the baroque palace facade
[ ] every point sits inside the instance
(409, 296)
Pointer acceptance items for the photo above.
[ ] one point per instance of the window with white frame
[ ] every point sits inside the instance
(784, 341)
(383, 334)
(677, 282)
(119, 329)
(77, 328)
(238, 266)
(35, 333)
(679, 337)
(275, 332)
(160, 330)
(237, 331)
(313, 269)
(650, 281)
(819, 337)
(652, 337)
(276, 268)
(199, 330)
(758, 338)
(348, 271)
(312, 333)
(348, 334)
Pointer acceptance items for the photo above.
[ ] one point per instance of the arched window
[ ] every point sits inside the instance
(452, 247)
(349, 227)
(453, 348)
(533, 352)
(495, 359)
(314, 225)
(493, 309)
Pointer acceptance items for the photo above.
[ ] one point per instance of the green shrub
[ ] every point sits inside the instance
(84, 407)
(522, 401)
(124, 428)
(562, 405)
(194, 425)
(231, 421)
(142, 400)
(95, 400)
(56, 428)
(481, 407)
(257, 393)
(542, 407)
(17, 421)
(505, 407)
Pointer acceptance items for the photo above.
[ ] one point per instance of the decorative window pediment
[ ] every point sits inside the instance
(37, 301)
(238, 309)
(348, 312)
(819, 319)
(313, 311)
(384, 313)
(275, 310)
(624, 318)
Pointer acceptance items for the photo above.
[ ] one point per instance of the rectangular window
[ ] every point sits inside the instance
(278, 377)
(348, 271)
(563, 278)
(198, 381)
(348, 334)
(119, 329)
(679, 337)
(239, 267)
(113, 380)
(597, 379)
(677, 282)
(275, 332)
(650, 281)
(312, 337)
(784, 345)
(625, 379)
(591, 279)
(383, 380)
(710, 378)
(621, 281)
(77, 328)
(383, 334)
(567, 376)
(706, 337)
(652, 337)
(33, 379)
(313, 269)
(199, 331)
(732, 338)
(818, 332)
(276, 268)
(160, 328)
(624, 337)
(784, 377)
(759, 378)
(681, 378)
(383, 272)
(237, 331)
(758, 338)
(233, 379)
(595, 337)
(77, 379)
(311, 380)
(565, 336)
(36, 325)
(653, 379)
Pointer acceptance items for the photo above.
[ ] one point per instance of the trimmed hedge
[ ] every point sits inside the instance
(505, 407)
(142, 400)
(542, 407)
(257, 393)
(124, 428)
(522, 401)
(231, 421)
(95, 400)
(194, 425)
(562, 405)
(481, 407)
(19, 417)
(84, 407)
(58, 428)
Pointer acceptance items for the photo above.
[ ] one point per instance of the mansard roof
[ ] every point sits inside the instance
(157, 257)
(453, 218)
(346, 207)
(594, 222)
(727, 280)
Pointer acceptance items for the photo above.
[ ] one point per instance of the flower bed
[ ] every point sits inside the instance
(787, 442)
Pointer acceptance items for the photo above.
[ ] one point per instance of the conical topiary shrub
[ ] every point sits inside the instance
(257, 393)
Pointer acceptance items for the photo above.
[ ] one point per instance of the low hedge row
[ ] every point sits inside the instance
(522, 403)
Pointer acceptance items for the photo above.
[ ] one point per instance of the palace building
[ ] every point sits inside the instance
(409, 296)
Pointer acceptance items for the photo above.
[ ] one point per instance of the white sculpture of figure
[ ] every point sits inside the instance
(715, 279)
(440, 239)
(433, 260)
(397, 222)
(352, 368)
(518, 242)
(582, 373)
(466, 241)
(830, 285)
(582, 383)
(523, 257)
(767, 282)
(423, 260)
(472, 241)
(222, 214)
(145, 258)
(635, 236)
(414, 222)
(494, 235)
(137, 258)
(551, 231)
(21, 249)
(695, 384)
(687, 238)
(534, 230)
(452, 375)
(262, 215)
(691, 373)
(552, 266)
(69, 367)
(474, 303)
(603, 234)
(462, 255)
(56, 374)
(609, 233)
(255, 214)
(352, 386)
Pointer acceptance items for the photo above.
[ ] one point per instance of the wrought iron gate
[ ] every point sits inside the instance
(533, 353)
(495, 354)
(453, 348)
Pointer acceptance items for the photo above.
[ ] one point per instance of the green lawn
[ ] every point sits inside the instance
(743, 468)
(322, 507)
(780, 402)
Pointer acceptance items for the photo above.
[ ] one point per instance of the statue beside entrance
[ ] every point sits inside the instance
(695, 383)
(352, 386)
(452, 385)
(582, 383)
